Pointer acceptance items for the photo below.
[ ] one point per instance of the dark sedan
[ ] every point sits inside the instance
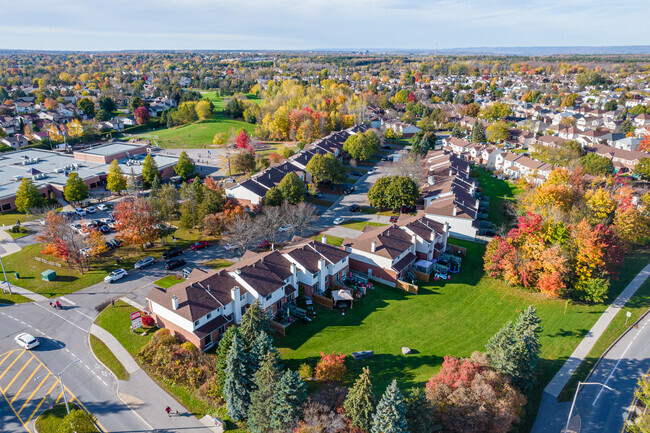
(173, 264)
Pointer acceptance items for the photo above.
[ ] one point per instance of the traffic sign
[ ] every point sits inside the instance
(136, 320)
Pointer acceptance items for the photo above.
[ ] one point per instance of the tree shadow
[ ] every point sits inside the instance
(567, 333)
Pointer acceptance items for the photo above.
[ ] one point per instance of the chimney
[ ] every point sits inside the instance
(455, 210)
(321, 264)
(238, 271)
(236, 300)
(323, 239)
(413, 239)
(451, 172)
(478, 203)
(174, 302)
(433, 235)
(446, 227)
(373, 247)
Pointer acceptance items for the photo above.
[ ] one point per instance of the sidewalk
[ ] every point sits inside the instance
(26, 293)
(7, 243)
(143, 396)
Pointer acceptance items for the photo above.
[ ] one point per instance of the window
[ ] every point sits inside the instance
(196, 323)
(6, 206)
(242, 298)
(268, 298)
(209, 316)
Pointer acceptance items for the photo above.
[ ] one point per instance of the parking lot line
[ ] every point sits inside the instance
(39, 406)
(12, 364)
(29, 379)
(7, 356)
(37, 388)
(19, 373)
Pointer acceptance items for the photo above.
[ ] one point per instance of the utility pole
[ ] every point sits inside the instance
(575, 397)
(58, 376)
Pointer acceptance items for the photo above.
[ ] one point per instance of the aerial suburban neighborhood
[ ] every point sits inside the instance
(210, 231)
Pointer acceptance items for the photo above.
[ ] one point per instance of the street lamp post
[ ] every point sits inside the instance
(58, 376)
(5, 274)
(575, 397)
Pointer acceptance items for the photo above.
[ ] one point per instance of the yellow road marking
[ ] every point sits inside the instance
(37, 388)
(19, 373)
(14, 411)
(59, 398)
(36, 410)
(5, 358)
(29, 379)
(12, 364)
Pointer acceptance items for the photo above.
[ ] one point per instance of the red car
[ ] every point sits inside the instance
(264, 244)
(199, 245)
(393, 219)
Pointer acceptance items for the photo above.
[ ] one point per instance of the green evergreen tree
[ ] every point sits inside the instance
(184, 168)
(149, 170)
(418, 411)
(222, 353)
(260, 411)
(197, 191)
(154, 193)
(456, 132)
(115, 181)
(290, 393)
(360, 402)
(75, 189)
(238, 383)
(478, 132)
(27, 196)
(390, 416)
(253, 321)
(263, 349)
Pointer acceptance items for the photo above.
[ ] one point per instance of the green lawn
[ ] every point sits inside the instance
(217, 263)
(18, 235)
(168, 281)
(117, 321)
(499, 192)
(331, 240)
(50, 420)
(10, 218)
(319, 201)
(200, 134)
(454, 317)
(104, 354)
(8, 299)
(360, 225)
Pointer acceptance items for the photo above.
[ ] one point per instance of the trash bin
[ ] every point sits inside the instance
(17, 275)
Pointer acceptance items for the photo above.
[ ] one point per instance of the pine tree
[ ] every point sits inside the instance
(290, 393)
(262, 349)
(360, 402)
(149, 170)
(253, 321)
(27, 196)
(456, 132)
(390, 416)
(418, 411)
(155, 188)
(478, 132)
(260, 411)
(222, 353)
(115, 181)
(184, 168)
(238, 383)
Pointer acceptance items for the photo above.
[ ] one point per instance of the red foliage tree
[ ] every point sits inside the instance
(243, 140)
(135, 221)
(644, 146)
(141, 115)
(331, 367)
(147, 321)
(411, 97)
(455, 372)
(275, 157)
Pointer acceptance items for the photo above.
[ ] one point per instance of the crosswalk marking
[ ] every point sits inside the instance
(18, 374)
(12, 364)
(39, 406)
(29, 379)
(34, 392)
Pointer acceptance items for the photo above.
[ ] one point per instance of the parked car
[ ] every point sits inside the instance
(173, 264)
(385, 158)
(285, 228)
(102, 207)
(116, 243)
(386, 147)
(84, 251)
(109, 246)
(355, 208)
(349, 190)
(394, 218)
(79, 211)
(357, 174)
(317, 195)
(229, 247)
(115, 276)
(338, 220)
(371, 171)
(144, 262)
(104, 229)
(264, 244)
(199, 245)
(408, 209)
(90, 209)
(26, 341)
(172, 252)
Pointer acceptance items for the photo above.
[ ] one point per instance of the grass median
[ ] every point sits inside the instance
(104, 354)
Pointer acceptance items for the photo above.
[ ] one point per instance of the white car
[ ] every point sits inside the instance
(371, 171)
(102, 207)
(144, 262)
(115, 276)
(338, 220)
(85, 251)
(229, 247)
(91, 209)
(26, 341)
(80, 211)
(285, 228)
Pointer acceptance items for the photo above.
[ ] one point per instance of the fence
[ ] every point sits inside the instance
(280, 329)
(38, 259)
(322, 300)
(411, 288)
(421, 276)
(456, 249)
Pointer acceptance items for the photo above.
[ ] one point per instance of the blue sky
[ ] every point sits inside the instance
(314, 24)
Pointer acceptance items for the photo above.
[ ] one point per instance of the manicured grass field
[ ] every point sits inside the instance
(499, 192)
(453, 317)
(104, 354)
(360, 225)
(8, 299)
(200, 134)
(331, 240)
(116, 320)
(218, 263)
(168, 281)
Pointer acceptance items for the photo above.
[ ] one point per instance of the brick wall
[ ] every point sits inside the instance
(387, 275)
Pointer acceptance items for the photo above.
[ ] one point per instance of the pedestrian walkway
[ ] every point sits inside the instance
(7, 243)
(142, 395)
(562, 377)
(24, 292)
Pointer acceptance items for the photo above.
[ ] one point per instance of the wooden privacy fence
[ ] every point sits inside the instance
(421, 276)
(411, 288)
(38, 259)
(277, 327)
(322, 300)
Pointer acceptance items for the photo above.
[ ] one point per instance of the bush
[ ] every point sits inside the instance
(305, 371)
(331, 367)
(18, 229)
(188, 345)
(147, 321)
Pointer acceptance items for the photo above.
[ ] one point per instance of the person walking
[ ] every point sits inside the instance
(58, 304)
(168, 410)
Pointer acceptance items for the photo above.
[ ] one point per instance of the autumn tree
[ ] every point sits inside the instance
(204, 109)
(292, 188)
(300, 216)
(115, 181)
(184, 167)
(498, 132)
(243, 162)
(326, 168)
(331, 367)
(141, 115)
(27, 196)
(75, 189)
(135, 221)
(268, 223)
(149, 169)
(243, 140)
